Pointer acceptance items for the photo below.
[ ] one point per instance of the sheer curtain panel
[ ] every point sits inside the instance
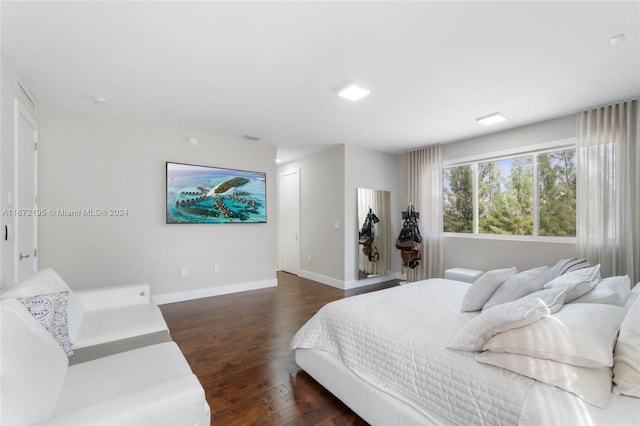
(608, 188)
(425, 193)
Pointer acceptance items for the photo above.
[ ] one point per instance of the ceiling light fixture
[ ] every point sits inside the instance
(279, 159)
(193, 141)
(349, 90)
(494, 118)
(617, 39)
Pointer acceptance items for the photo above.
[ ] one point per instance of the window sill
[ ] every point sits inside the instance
(523, 238)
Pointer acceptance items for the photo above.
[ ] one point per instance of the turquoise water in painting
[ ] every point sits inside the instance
(191, 197)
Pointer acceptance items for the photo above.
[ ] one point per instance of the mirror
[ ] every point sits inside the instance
(374, 233)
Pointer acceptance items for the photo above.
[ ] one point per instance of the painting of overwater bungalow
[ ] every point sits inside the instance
(203, 194)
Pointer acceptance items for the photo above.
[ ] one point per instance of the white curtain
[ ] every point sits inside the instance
(608, 188)
(425, 193)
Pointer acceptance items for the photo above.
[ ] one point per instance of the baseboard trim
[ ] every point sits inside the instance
(322, 279)
(399, 276)
(348, 285)
(180, 296)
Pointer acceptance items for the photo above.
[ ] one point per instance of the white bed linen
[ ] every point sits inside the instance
(546, 405)
(405, 354)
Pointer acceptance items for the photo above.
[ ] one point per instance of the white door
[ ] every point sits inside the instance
(289, 209)
(26, 231)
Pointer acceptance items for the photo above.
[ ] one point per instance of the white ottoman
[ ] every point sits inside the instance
(463, 274)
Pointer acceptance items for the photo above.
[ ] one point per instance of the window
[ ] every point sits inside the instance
(505, 196)
(505, 193)
(458, 199)
(557, 189)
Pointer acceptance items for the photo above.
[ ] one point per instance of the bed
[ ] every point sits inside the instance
(386, 355)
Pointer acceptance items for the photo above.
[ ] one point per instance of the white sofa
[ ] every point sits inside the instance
(130, 372)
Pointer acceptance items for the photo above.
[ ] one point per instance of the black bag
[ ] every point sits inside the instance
(365, 232)
(407, 236)
(416, 234)
(367, 228)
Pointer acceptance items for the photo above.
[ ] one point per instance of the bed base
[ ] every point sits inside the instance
(376, 407)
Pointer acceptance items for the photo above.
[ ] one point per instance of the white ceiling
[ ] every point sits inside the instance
(267, 68)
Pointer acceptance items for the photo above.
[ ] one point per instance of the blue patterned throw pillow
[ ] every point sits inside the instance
(51, 311)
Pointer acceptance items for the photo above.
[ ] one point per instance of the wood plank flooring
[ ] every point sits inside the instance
(237, 345)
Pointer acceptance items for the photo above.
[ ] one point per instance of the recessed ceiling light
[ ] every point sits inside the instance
(99, 99)
(617, 39)
(494, 118)
(349, 90)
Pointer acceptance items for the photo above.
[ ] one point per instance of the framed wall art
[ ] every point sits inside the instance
(204, 194)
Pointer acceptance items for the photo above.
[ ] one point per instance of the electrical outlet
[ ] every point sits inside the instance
(309, 258)
(183, 272)
(216, 269)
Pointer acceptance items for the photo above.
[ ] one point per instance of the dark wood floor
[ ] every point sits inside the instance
(237, 345)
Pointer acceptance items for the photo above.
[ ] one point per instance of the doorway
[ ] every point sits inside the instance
(289, 209)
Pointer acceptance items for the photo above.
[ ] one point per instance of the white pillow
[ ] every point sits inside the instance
(579, 282)
(574, 265)
(626, 360)
(506, 316)
(611, 291)
(555, 270)
(484, 287)
(592, 385)
(48, 281)
(581, 334)
(33, 367)
(518, 286)
(632, 297)
(51, 311)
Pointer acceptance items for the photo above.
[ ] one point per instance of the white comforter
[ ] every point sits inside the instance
(396, 340)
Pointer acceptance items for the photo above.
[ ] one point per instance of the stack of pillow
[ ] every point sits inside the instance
(558, 325)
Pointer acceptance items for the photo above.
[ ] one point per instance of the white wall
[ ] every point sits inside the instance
(88, 162)
(484, 253)
(328, 186)
(532, 134)
(321, 208)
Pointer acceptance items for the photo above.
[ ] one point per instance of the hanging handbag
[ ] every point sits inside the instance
(404, 244)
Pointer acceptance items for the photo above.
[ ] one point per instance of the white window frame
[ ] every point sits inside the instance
(535, 150)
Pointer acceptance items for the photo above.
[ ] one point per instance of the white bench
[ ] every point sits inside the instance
(463, 274)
